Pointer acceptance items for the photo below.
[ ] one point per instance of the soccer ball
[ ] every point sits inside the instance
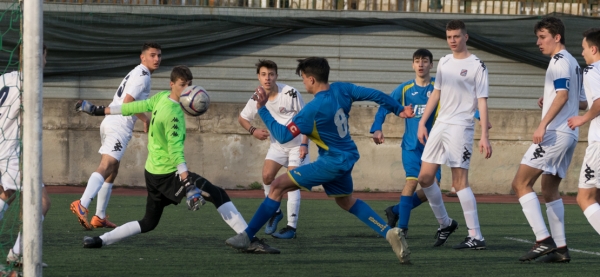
(194, 100)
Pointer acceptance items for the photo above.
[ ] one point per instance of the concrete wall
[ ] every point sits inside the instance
(219, 149)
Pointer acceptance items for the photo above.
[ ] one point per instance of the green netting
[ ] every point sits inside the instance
(10, 131)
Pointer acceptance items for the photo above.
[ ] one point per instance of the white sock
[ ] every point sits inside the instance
(3, 208)
(434, 195)
(103, 197)
(293, 207)
(469, 206)
(232, 217)
(267, 189)
(124, 231)
(91, 190)
(533, 213)
(555, 211)
(593, 215)
(17, 247)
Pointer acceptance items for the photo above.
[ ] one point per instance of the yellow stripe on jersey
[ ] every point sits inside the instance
(314, 136)
(407, 87)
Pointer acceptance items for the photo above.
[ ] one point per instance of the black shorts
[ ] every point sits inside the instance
(164, 187)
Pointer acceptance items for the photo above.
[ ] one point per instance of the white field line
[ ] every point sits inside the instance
(570, 249)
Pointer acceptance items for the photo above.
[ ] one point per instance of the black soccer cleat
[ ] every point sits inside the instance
(560, 255)
(391, 217)
(471, 243)
(92, 242)
(258, 246)
(443, 234)
(540, 248)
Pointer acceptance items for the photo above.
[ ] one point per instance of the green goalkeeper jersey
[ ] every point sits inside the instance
(166, 133)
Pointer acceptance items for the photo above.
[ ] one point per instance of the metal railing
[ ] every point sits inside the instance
(512, 7)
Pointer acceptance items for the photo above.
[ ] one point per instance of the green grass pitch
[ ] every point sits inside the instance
(330, 242)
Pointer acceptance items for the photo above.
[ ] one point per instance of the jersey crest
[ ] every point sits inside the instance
(463, 72)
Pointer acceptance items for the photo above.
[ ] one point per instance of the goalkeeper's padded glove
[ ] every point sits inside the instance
(89, 108)
(193, 193)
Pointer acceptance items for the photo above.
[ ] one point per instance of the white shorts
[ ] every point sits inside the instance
(114, 139)
(553, 155)
(588, 176)
(449, 144)
(10, 174)
(286, 156)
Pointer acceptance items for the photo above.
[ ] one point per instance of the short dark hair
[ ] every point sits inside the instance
(456, 25)
(265, 63)
(554, 26)
(181, 72)
(149, 44)
(592, 37)
(315, 67)
(423, 53)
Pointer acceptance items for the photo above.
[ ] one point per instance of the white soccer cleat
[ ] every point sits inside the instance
(17, 260)
(239, 241)
(395, 237)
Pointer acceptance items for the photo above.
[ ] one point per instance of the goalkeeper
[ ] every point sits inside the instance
(167, 177)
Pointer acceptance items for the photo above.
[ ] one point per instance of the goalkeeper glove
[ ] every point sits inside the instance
(193, 193)
(89, 108)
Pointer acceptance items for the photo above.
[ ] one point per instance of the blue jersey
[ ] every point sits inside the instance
(325, 121)
(409, 93)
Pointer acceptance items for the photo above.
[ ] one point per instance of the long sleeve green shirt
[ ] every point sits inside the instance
(166, 133)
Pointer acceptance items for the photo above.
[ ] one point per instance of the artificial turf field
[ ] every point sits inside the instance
(330, 242)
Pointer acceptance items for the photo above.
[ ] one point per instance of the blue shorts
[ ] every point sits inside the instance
(411, 160)
(336, 181)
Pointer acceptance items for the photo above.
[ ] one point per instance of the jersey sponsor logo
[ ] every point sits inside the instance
(466, 155)
(118, 146)
(538, 153)
(175, 127)
(175, 119)
(296, 172)
(419, 110)
(293, 129)
(414, 93)
(557, 57)
(292, 93)
(463, 72)
(429, 93)
(174, 134)
(145, 73)
(589, 173)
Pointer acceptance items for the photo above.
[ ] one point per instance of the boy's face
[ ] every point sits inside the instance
(546, 42)
(588, 52)
(151, 58)
(457, 40)
(308, 82)
(422, 66)
(267, 78)
(178, 86)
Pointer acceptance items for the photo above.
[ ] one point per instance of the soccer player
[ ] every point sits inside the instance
(284, 103)
(10, 136)
(461, 87)
(411, 93)
(553, 145)
(115, 133)
(167, 177)
(325, 121)
(589, 181)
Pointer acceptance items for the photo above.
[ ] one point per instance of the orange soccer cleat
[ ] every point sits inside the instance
(81, 213)
(102, 223)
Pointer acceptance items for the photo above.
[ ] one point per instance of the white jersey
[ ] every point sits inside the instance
(563, 74)
(283, 108)
(461, 82)
(591, 84)
(10, 112)
(136, 84)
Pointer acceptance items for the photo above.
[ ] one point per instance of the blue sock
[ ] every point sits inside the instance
(266, 209)
(406, 205)
(364, 212)
(416, 201)
(396, 209)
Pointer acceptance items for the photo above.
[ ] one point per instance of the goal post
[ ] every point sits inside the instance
(32, 136)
